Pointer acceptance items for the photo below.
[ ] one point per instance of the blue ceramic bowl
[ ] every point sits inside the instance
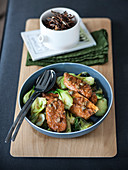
(71, 68)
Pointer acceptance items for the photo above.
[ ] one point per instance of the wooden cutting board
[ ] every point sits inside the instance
(99, 143)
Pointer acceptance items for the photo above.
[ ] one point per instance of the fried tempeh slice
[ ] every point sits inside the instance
(48, 96)
(82, 107)
(75, 84)
(56, 115)
(93, 98)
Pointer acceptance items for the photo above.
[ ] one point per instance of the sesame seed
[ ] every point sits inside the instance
(82, 84)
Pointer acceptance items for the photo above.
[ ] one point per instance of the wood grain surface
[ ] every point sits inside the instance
(99, 143)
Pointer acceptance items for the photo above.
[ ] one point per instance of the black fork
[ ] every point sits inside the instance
(42, 84)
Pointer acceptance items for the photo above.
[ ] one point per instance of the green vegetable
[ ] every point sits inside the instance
(28, 95)
(40, 120)
(99, 96)
(85, 74)
(81, 124)
(54, 92)
(71, 118)
(88, 80)
(94, 87)
(77, 124)
(85, 124)
(66, 98)
(72, 74)
(49, 129)
(38, 105)
(34, 117)
(60, 82)
(99, 91)
(45, 125)
(70, 121)
(68, 129)
(102, 105)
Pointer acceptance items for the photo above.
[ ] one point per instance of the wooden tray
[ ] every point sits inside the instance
(99, 143)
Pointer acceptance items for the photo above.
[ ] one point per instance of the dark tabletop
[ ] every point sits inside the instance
(17, 14)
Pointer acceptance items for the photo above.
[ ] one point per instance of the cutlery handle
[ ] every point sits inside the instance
(19, 115)
(22, 117)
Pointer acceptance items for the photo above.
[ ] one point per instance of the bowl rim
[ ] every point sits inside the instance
(68, 133)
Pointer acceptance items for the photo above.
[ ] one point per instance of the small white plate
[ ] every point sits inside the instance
(38, 51)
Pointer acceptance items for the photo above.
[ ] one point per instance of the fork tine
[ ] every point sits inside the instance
(41, 76)
(42, 82)
(43, 79)
(48, 82)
